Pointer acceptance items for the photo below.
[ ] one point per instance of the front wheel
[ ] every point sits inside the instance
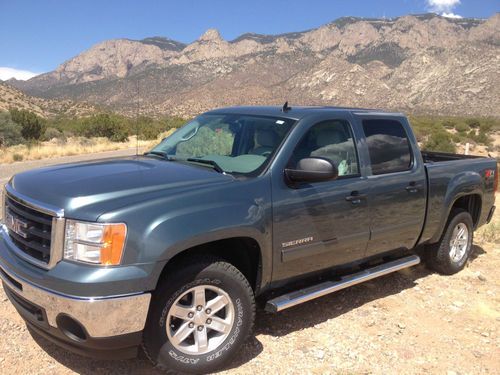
(450, 254)
(199, 317)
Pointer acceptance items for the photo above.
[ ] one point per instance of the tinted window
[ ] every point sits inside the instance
(331, 140)
(388, 146)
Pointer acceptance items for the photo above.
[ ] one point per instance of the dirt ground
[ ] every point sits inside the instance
(410, 322)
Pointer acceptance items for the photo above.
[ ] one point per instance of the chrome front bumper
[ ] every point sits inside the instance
(100, 316)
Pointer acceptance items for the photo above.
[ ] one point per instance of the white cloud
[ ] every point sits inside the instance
(451, 15)
(8, 73)
(444, 7)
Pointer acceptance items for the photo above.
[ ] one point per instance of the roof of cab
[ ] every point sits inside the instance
(297, 112)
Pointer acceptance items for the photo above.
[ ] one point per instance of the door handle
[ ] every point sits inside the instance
(413, 187)
(355, 197)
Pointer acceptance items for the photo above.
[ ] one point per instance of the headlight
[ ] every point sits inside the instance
(99, 243)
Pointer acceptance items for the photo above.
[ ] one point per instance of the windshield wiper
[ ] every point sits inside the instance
(164, 155)
(212, 163)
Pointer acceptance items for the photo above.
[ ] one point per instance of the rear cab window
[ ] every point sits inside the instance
(388, 146)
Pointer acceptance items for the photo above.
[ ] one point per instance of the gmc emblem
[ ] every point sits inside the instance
(16, 225)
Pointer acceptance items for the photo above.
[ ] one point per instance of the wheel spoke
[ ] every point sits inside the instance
(199, 296)
(461, 232)
(182, 333)
(201, 339)
(180, 312)
(220, 325)
(217, 304)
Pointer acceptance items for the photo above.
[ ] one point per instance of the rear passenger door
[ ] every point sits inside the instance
(397, 196)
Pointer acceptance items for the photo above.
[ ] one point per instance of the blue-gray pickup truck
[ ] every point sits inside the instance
(170, 250)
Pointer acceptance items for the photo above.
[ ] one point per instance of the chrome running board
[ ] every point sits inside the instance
(303, 295)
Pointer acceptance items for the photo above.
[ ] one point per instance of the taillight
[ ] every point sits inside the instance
(495, 184)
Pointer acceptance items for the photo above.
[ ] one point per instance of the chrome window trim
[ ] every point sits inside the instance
(58, 228)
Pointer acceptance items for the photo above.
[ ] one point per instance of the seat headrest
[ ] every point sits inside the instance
(266, 138)
(330, 136)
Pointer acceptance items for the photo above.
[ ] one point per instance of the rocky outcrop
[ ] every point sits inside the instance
(423, 63)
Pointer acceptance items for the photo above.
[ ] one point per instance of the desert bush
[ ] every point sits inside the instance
(32, 126)
(473, 123)
(17, 157)
(440, 140)
(461, 127)
(483, 138)
(105, 125)
(449, 124)
(10, 132)
(52, 133)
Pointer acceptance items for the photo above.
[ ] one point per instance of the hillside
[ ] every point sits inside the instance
(11, 97)
(422, 64)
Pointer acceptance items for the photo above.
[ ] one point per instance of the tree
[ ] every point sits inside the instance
(32, 126)
(105, 125)
(10, 132)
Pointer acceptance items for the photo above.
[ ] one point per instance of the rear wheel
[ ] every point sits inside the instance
(199, 317)
(451, 253)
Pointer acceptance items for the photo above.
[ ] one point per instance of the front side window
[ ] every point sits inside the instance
(332, 140)
(240, 144)
(388, 146)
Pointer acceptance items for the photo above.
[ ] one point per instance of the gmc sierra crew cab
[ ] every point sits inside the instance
(169, 250)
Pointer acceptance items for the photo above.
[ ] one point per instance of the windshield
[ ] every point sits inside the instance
(226, 142)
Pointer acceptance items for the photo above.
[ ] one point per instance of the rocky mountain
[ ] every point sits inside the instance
(420, 63)
(11, 97)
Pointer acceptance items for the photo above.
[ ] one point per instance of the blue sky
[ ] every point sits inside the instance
(36, 36)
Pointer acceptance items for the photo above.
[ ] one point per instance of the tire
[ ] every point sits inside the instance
(180, 294)
(445, 258)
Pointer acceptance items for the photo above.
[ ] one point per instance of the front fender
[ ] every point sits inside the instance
(161, 228)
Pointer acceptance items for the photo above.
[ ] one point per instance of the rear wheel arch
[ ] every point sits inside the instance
(470, 203)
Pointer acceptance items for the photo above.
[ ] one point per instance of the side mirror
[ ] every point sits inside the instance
(313, 170)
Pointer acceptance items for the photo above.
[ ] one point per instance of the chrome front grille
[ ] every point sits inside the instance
(35, 231)
(29, 230)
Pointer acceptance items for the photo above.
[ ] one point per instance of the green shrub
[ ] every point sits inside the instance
(449, 124)
(440, 140)
(486, 127)
(10, 132)
(104, 125)
(473, 123)
(461, 127)
(483, 138)
(17, 157)
(52, 133)
(32, 126)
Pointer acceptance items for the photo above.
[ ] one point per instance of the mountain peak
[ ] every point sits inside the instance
(211, 35)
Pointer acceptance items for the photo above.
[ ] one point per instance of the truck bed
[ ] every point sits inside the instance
(435, 157)
(446, 175)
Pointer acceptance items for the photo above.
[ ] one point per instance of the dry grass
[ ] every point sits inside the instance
(491, 232)
(71, 146)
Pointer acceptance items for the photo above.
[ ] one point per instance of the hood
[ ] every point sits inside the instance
(87, 190)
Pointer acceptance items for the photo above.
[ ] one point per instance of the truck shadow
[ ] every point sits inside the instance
(275, 325)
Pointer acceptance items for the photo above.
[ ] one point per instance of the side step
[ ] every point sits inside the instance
(303, 295)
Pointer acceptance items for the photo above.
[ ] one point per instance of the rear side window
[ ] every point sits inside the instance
(388, 146)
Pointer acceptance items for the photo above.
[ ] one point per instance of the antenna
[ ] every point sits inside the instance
(286, 107)
(137, 119)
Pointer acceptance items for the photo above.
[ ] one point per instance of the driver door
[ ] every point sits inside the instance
(320, 225)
